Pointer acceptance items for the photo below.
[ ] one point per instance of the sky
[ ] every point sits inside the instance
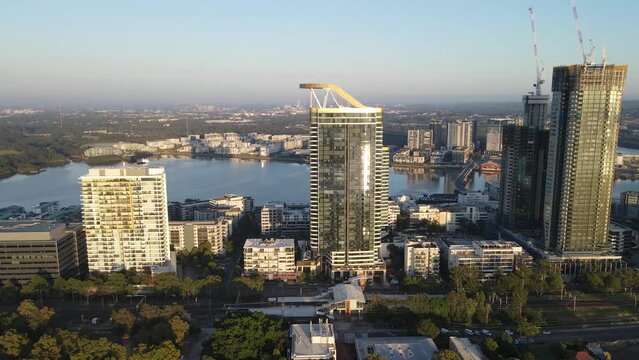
(159, 52)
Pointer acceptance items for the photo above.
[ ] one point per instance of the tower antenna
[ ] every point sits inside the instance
(539, 64)
(586, 56)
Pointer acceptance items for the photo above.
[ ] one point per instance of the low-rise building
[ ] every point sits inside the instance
(346, 298)
(245, 204)
(29, 248)
(273, 258)
(487, 256)
(278, 219)
(450, 215)
(421, 257)
(312, 342)
(393, 212)
(620, 238)
(187, 235)
(465, 349)
(396, 348)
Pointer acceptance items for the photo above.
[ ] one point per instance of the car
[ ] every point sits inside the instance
(468, 331)
(509, 332)
(443, 331)
(546, 332)
(486, 332)
(477, 332)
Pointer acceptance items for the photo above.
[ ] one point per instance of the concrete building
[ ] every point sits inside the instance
(346, 298)
(187, 235)
(584, 128)
(312, 342)
(488, 256)
(396, 348)
(48, 249)
(273, 258)
(438, 134)
(393, 212)
(125, 217)
(451, 215)
(348, 183)
(465, 349)
(421, 257)
(244, 203)
(460, 155)
(620, 238)
(420, 140)
(278, 219)
(460, 134)
(630, 203)
(494, 131)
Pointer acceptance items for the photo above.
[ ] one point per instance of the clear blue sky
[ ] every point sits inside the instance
(169, 52)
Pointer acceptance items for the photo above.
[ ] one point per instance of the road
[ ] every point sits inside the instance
(592, 334)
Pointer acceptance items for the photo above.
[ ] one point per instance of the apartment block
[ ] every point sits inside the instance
(273, 258)
(421, 257)
(187, 235)
(278, 219)
(488, 256)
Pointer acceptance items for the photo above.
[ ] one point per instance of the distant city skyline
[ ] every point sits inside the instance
(248, 52)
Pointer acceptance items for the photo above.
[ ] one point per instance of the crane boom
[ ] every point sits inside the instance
(538, 63)
(586, 56)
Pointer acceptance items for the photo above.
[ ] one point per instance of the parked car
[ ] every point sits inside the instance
(444, 331)
(509, 332)
(546, 332)
(468, 331)
(486, 332)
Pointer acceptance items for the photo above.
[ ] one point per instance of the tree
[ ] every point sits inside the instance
(13, 343)
(446, 354)
(529, 356)
(254, 282)
(375, 356)
(427, 328)
(180, 329)
(465, 279)
(208, 285)
(84, 288)
(168, 283)
(76, 347)
(125, 321)
(61, 286)
(527, 329)
(519, 299)
(165, 351)
(9, 293)
(46, 348)
(491, 345)
(148, 311)
(246, 336)
(461, 307)
(35, 317)
(506, 338)
(116, 285)
(36, 286)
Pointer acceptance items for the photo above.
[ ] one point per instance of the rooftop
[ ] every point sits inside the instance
(347, 291)
(466, 349)
(269, 243)
(312, 341)
(121, 171)
(27, 226)
(400, 348)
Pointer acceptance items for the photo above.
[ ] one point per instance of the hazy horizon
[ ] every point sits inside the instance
(161, 53)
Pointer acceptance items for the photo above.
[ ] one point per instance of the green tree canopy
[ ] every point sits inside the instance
(180, 329)
(13, 344)
(427, 328)
(36, 286)
(246, 336)
(46, 348)
(164, 351)
(446, 354)
(34, 316)
(125, 320)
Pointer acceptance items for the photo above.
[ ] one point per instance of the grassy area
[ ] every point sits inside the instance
(590, 315)
(9, 152)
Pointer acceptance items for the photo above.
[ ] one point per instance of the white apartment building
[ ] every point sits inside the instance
(473, 198)
(273, 258)
(620, 238)
(393, 212)
(421, 257)
(450, 215)
(125, 217)
(280, 219)
(488, 256)
(187, 235)
(229, 200)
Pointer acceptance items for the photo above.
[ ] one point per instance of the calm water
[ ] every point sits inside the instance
(203, 178)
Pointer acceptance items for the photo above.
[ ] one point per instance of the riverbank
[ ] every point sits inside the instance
(424, 166)
(280, 158)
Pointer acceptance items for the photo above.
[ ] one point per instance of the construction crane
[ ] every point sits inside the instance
(587, 56)
(538, 62)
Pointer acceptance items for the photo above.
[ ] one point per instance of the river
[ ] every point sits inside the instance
(204, 178)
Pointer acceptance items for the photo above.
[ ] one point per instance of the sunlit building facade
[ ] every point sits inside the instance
(348, 183)
(584, 127)
(125, 218)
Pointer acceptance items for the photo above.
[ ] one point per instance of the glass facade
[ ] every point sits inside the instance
(584, 128)
(347, 186)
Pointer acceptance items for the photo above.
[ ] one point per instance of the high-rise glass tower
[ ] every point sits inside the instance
(586, 103)
(348, 184)
(125, 217)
